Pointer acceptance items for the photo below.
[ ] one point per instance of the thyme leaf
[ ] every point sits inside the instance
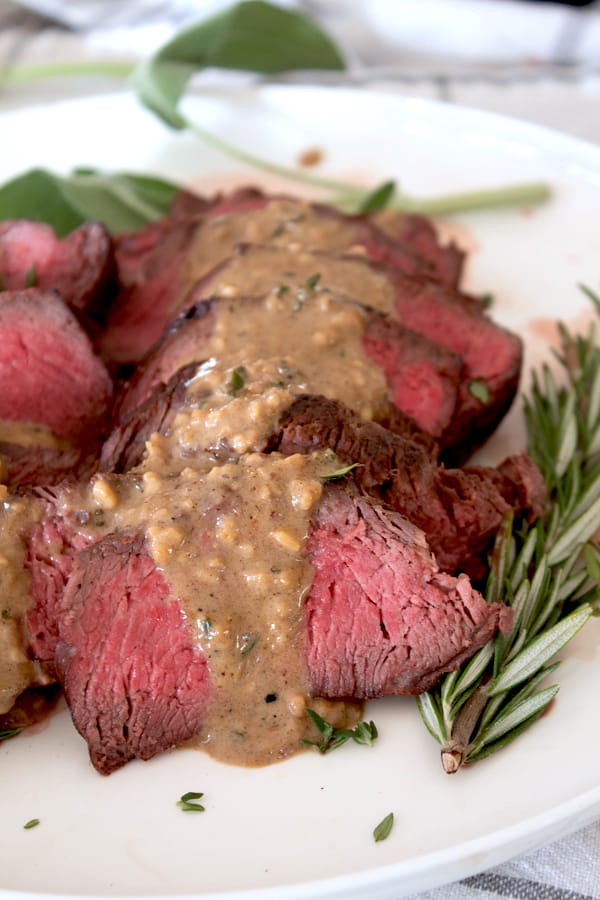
(339, 473)
(383, 829)
(548, 572)
(331, 738)
(187, 804)
(31, 824)
(479, 390)
(7, 733)
(379, 198)
(237, 380)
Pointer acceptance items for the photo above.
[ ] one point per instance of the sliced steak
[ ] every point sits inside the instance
(380, 618)
(459, 510)
(55, 542)
(451, 321)
(174, 254)
(394, 365)
(134, 682)
(419, 233)
(80, 266)
(27, 465)
(48, 371)
(409, 242)
(124, 448)
(152, 268)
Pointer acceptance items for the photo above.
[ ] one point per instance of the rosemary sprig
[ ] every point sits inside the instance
(547, 572)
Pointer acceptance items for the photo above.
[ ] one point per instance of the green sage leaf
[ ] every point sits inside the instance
(121, 201)
(253, 36)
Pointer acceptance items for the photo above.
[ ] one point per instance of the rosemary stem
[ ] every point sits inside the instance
(454, 753)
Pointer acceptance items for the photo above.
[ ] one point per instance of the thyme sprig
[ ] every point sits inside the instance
(547, 572)
(331, 738)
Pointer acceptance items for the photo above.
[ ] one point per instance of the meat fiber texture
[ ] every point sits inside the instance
(91, 601)
(135, 684)
(81, 266)
(486, 358)
(49, 373)
(154, 264)
(380, 619)
(459, 510)
(422, 378)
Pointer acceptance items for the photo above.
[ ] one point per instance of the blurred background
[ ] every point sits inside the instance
(535, 60)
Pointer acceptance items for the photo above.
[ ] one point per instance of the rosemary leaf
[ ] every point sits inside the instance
(549, 572)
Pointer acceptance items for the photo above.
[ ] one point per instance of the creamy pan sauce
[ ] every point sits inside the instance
(230, 540)
(258, 269)
(17, 672)
(305, 341)
(280, 222)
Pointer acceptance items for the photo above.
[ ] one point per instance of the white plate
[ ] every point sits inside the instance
(304, 827)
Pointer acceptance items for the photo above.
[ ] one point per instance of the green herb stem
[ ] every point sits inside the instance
(91, 68)
(547, 572)
(354, 197)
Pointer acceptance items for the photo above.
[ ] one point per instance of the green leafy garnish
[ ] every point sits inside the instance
(252, 36)
(122, 201)
(382, 831)
(8, 733)
(479, 390)
(186, 803)
(31, 824)
(31, 278)
(547, 572)
(339, 473)
(378, 198)
(237, 381)
(332, 738)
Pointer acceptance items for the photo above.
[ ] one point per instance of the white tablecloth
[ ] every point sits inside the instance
(540, 62)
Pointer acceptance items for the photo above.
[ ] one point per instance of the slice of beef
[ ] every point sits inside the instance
(492, 357)
(134, 682)
(422, 379)
(459, 510)
(174, 254)
(419, 233)
(183, 343)
(453, 321)
(53, 546)
(409, 242)
(80, 266)
(124, 448)
(152, 273)
(380, 619)
(49, 373)
(27, 465)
